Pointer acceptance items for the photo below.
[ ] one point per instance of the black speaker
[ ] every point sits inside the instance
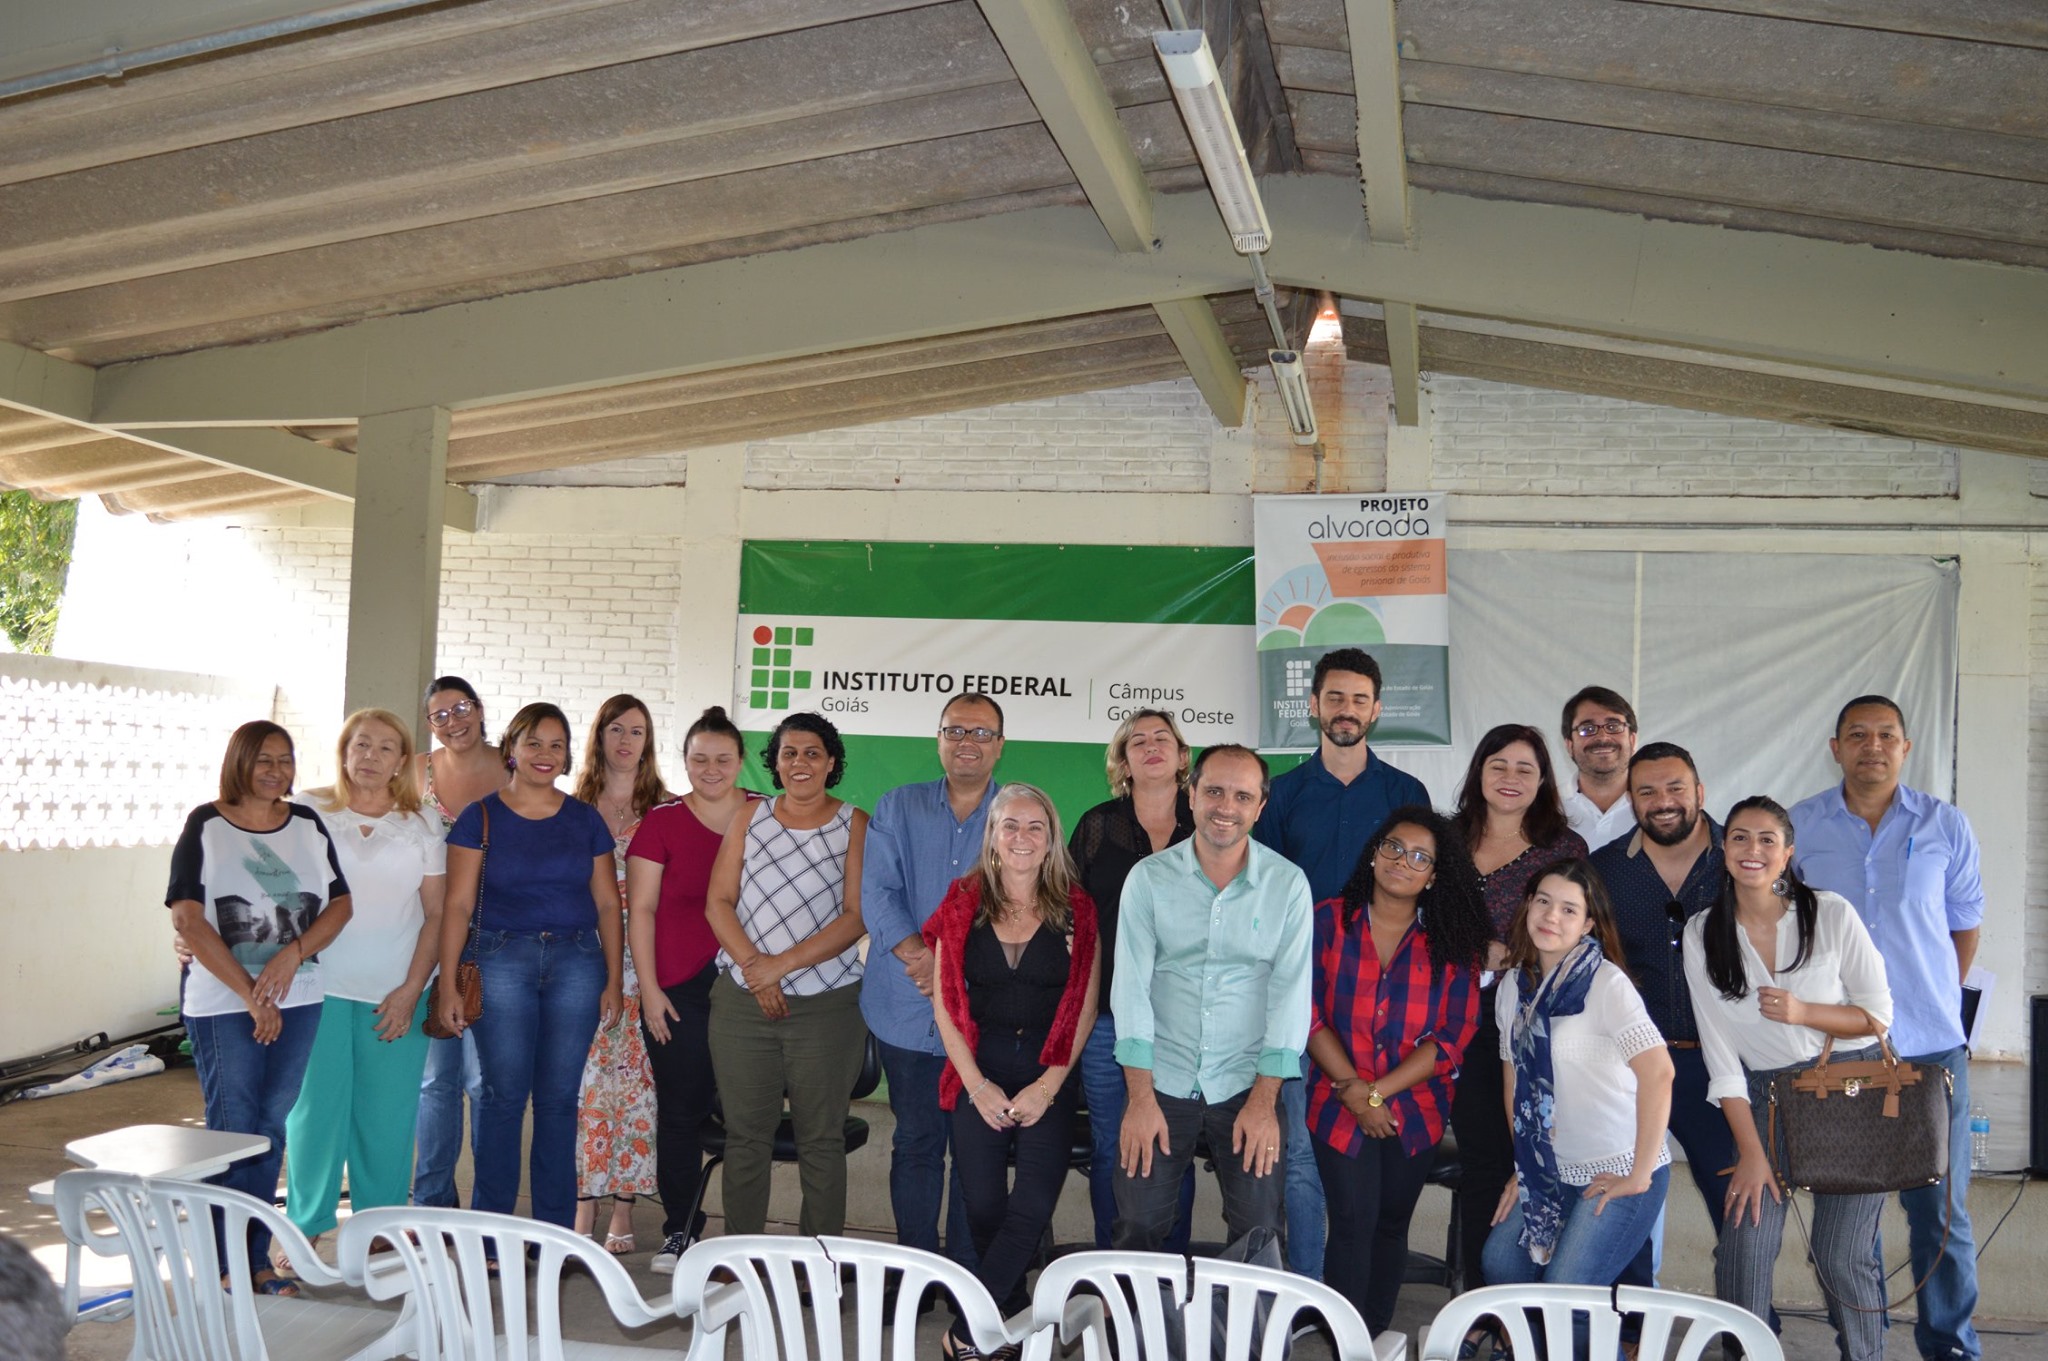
(2037, 1088)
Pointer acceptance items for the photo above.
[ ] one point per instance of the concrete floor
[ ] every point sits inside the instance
(33, 1135)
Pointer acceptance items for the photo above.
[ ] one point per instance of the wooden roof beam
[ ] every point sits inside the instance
(1382, 153)
(1404, 361)
(1191, 324)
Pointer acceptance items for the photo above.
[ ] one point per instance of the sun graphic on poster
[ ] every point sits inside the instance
(1299, 611)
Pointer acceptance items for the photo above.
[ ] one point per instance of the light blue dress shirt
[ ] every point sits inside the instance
(1913, 882)
(1212, 985)
(914, 851)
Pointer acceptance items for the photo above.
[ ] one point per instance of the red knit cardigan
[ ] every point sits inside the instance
(950, 925)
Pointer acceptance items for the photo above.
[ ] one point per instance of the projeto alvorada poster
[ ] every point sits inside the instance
(1353, 571)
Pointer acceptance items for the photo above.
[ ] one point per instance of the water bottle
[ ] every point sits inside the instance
(1980, 1139)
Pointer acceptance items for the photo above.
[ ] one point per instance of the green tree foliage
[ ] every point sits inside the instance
(35, 556)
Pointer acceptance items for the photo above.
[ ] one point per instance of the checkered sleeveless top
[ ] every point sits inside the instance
(793, 885)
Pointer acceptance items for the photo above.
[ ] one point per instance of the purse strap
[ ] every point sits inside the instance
(483, 856)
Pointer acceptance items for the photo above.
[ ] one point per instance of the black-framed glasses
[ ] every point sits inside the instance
(1613, 727)
(461, 708)
(979, 736)
(1391, 849)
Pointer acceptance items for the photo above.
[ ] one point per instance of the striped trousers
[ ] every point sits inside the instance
(1844, 1249)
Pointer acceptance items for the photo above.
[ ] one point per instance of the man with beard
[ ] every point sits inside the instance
(1211, 999)
(1600, 737)
(1319, 816)
(1909, 864)
(1664, 874)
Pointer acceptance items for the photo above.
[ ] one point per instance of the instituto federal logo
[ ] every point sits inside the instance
(1300, 675)
(775, 676)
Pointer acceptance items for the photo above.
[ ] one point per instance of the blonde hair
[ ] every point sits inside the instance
(648, 788)
(1117, 762)
(404, 786)
(1055, 876)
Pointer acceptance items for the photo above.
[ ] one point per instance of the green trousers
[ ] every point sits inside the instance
(812, 1056)
(355, 1112)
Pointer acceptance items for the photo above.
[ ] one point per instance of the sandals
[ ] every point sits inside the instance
(619, 1244)
(267, 1283)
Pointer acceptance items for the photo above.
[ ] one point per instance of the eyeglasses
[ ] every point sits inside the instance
(461, 708)
(1391, 849)
(1613, 727)
(979, 736)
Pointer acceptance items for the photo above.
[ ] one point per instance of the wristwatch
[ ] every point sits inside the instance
(1373, 1097)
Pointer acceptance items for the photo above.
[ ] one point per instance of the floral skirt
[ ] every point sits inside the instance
(615, 1112)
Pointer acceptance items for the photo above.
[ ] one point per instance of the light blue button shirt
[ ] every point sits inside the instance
(914, 851)
(1212, 985)
(1913, 882)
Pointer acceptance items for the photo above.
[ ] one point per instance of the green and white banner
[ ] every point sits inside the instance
(1354, 571)
(1067, 638)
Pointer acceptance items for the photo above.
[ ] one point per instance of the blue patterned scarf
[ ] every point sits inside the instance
(1546, 1200)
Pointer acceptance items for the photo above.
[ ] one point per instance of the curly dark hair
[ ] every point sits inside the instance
(1451, 910)
(818, 726)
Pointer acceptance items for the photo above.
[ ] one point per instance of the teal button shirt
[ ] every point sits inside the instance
(1212, 986)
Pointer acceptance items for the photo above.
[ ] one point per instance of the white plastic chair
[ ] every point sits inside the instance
(1661, 1310)
(763, 1275)
(165, 1229)
(440, 1257)
(1137, 1288)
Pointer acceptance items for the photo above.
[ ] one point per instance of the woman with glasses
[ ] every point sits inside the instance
(1512, 816)
(1590, 1080)
(464, 769)
(1395, 1002)
(1147, 765)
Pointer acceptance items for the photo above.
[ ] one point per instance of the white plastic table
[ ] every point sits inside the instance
(176, 1151)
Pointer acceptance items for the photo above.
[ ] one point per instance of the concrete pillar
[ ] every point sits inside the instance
(1992, 734)
(1411, 449)
(394, 596)
(707, 612)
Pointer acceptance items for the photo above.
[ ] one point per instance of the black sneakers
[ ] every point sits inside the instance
(671, 1252)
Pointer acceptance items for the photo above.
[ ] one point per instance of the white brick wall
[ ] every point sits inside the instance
(1156, 437)
(1496, 439)
(2037, 476)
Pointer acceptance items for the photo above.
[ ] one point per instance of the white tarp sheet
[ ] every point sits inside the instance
(1743, 659)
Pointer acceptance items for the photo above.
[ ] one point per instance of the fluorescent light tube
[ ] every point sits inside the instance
(1292, 380)
(1198, 90)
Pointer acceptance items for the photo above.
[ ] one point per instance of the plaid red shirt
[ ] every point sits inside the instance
(1380, 1017)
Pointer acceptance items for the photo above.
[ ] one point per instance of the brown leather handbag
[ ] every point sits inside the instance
(469, 979)
(1864, 1126)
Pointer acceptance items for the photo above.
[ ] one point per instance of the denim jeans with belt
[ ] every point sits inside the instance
(542, 990)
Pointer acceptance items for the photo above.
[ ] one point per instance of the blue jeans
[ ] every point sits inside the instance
(542, 990)
(1306, 1227)
(1949, 1298)
(1702, 1131)
(249, 1088)
(917, 1156)
(437, 1137)
(1593, 1249)
(1105, 1093)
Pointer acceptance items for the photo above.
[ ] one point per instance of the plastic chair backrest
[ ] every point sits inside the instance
(1661, 1310)
(166, 1226)
(442, 1254)
(1138, 1288)
(767, 1271)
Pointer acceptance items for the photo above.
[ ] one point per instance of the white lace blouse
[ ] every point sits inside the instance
(1594, 1124)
